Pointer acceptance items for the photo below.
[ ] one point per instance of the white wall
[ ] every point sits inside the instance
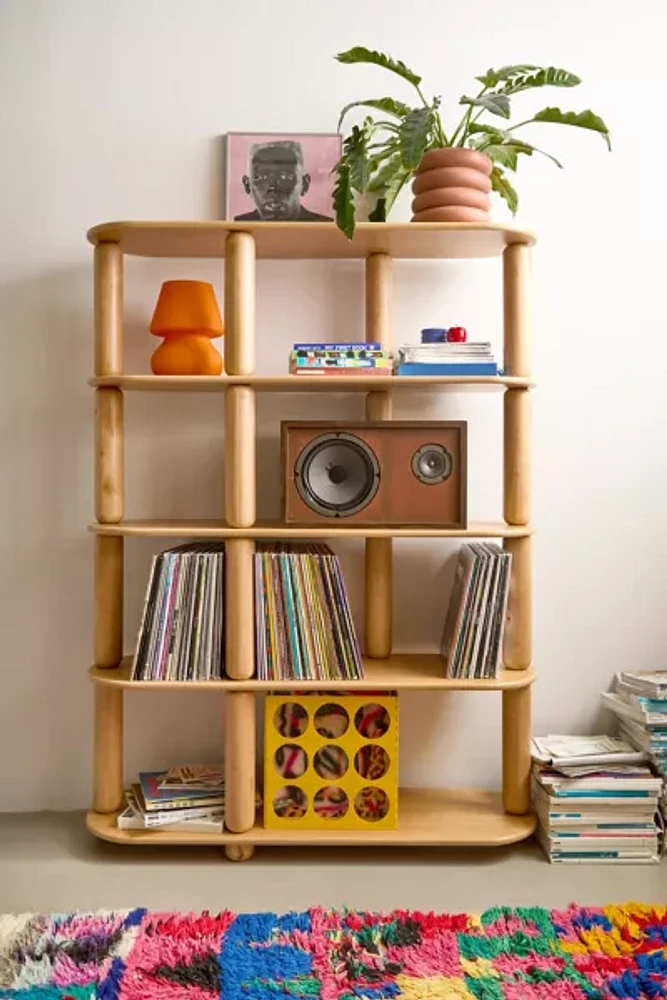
(114, 110)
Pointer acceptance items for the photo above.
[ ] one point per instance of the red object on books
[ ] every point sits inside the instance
(457, 335)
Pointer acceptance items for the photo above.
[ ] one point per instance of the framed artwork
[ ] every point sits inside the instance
(281, 177)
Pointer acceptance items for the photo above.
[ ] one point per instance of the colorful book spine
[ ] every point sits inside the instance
(454, 369)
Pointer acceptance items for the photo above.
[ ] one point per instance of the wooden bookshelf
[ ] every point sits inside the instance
(427, 817)
(309, 383)
(205, 528)
(399, 672)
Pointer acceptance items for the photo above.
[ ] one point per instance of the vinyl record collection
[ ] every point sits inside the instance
(181, 632)
(304, 627)
(473, 635)
(596, 800)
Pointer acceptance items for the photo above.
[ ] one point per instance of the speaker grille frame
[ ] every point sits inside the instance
(305, 459)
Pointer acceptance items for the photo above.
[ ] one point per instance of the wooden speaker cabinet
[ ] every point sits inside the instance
(396, 473)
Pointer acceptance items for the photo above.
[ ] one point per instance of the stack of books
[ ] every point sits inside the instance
(473, 634)
(304, 627)
(340, 359)
(181, 632)
(639, 701)
(447, 359)
(188, 798)
(596, 800)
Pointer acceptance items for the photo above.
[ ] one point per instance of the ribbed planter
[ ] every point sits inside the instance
(452, 185)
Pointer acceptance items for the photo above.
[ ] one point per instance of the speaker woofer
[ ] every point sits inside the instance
(432, 464)
(337, 474)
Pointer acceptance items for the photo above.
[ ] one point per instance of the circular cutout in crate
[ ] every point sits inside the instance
(372, 762)
(290, 802)
(331, 802)
(371, 804)
(290, 719)
(290, 760)
(331, 721)
(331, 762)
(372, 721)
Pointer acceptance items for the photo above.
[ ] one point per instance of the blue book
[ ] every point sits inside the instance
(440, 368)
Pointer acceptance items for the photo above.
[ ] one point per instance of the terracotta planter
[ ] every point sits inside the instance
(452, 185)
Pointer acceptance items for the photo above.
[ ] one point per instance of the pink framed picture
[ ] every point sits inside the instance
(281, 177)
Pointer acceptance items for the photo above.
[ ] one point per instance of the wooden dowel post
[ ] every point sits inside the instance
(108, 749)
(239, 761)
(379, 555)
(108, 628)
(240, 304)
(517, 457)
(517, 642)
(109, 473)
(516, 281)
(516, 751)
(240, 512)
(108, 309)
(109, 503)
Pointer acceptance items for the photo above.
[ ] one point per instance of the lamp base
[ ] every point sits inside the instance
(186, 354)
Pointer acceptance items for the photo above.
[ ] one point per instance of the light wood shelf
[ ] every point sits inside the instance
(427, 818)
(309, 383)
(207, 528)
(314, 240)
(399, 672)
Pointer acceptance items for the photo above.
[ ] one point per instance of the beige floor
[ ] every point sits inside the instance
(49, 862)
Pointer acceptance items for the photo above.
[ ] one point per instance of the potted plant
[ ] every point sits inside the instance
(454, 172)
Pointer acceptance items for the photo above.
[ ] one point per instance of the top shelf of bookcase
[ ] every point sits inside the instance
(314, 240)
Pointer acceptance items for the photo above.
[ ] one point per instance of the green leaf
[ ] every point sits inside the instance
(493, 133)
(414, 134)
(386, 173)
(386, 104)
(355, 157)
(502, 186)
(395, 187)
(582, 119)
(497, 104)
(506, 156)
(550, 76)
(493, 77)
(343, 200)
(359, 54)
(507, 141)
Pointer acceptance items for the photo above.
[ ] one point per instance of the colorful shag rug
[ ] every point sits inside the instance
(504, 954)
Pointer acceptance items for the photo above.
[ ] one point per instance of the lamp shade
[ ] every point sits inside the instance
(187, 307)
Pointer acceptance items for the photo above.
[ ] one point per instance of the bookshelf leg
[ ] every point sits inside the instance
(109, 455)
(240, 456)
(240, 304)
(240, 608)
(239, 761)
(516, 751)
(516, 450)
(108, 628)
(108, 309)
(108, 749)
(516, 281)
(239, 852)
(518, 638)
(378, 568)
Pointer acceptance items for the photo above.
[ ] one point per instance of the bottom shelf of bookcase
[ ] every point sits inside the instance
(427, 817)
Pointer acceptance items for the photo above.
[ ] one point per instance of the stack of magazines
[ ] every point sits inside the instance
(351, 358)
(304, 627)
(447, 359)
(596, 799)
(473, 635)
(639, 701)
(189, 798)
(181, 632)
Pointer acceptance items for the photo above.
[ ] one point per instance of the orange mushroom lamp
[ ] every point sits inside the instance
(187, 316)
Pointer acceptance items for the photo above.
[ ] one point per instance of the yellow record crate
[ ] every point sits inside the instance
(331, 761)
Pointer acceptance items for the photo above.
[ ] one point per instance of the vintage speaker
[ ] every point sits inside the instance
(396, 472)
